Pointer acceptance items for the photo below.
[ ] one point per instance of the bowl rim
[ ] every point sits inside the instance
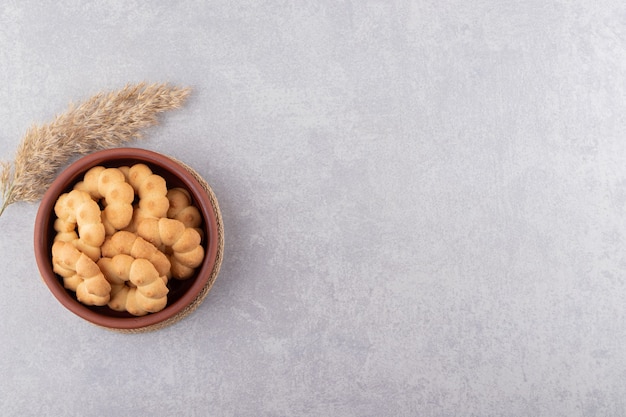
(73, 173)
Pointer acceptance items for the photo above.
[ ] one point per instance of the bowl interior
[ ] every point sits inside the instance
(182, 292)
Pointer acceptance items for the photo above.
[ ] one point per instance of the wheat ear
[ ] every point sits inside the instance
(105, 120)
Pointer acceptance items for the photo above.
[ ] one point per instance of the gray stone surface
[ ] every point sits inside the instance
(424, 207)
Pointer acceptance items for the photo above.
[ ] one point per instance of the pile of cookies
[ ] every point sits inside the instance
(121, 235)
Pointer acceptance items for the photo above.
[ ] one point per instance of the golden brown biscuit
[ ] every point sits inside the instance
(80, 274)
(110, 184)
(181, 243)
(128, 243)
(136, 285)
(74, 210)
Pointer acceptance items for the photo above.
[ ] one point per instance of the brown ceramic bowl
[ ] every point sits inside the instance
(184, 295)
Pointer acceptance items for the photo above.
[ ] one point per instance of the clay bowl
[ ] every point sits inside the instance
(184, 295)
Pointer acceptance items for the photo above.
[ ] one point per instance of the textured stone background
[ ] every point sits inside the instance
(424, 205)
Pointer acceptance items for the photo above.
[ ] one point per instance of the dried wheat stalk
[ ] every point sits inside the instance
(104, 121)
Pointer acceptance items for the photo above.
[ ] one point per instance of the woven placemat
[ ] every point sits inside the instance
(216, 268)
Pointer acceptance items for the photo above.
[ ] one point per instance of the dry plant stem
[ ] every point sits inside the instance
(104, 121)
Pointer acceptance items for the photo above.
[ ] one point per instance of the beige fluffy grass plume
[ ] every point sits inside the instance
(105, 120)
